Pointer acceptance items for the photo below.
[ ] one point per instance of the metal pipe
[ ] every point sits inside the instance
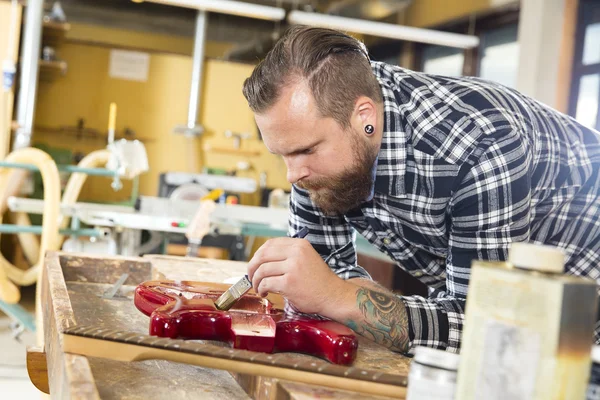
(64, 168)
(382, 29)
(20, 314)
(240, 8)
(197, 68)
(88, 171)
(31, 45)
(37, 230)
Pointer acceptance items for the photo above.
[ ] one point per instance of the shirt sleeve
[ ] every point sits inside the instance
(490, 209)
(331, 236)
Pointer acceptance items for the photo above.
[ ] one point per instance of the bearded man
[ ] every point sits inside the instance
(434, 171)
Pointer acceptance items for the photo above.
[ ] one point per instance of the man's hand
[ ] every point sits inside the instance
(293, 269)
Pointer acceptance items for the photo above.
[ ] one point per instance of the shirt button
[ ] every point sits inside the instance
(418, 274)
(387, 241)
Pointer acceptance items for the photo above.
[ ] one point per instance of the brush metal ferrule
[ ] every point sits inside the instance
(233, 294)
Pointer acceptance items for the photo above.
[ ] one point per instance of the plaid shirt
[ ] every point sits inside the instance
(465, 168)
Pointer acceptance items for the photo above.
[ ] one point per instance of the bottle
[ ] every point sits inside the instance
(432, 375)
(528, 328)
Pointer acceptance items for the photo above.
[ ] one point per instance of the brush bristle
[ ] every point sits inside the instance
(225, 302)
(233, 294)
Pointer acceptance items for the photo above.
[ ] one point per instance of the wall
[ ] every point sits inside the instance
(169, 44)
(6, 98)
(543, 38)
(152, 109)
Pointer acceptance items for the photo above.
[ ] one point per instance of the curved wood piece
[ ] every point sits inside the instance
(37, 368)
(186, 310)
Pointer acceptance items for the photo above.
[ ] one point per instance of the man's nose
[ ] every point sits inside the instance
(296, 172)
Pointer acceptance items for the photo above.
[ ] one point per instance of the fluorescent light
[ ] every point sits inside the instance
(382, 29)
(230, 7)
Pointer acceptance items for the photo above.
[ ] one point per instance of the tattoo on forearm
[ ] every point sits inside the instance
(385, 320)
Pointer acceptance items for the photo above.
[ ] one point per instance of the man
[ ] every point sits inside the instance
(434, 171)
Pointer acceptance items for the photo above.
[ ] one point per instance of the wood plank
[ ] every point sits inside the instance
(216, 253)
(69, 376)
(83, 268)
(160, 379)
(296, 391)
(37, 368)
(77, 300)
(137, 380)
(130, 351)
(194, 269)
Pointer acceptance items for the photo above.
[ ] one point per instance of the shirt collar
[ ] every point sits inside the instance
(390, 165)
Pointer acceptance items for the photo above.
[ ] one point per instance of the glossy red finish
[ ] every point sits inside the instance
(325, 339)
(186, 310)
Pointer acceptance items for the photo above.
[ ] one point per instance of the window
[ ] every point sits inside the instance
(440, 60)
(499, 55)
(591, 46)
(585, 92)
(586, 110)
(496, 58)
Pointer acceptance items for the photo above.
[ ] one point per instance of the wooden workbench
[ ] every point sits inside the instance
(71, 294)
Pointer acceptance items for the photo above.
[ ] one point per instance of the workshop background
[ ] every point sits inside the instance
(548, 49)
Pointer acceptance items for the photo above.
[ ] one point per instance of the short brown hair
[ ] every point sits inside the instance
(335, 65)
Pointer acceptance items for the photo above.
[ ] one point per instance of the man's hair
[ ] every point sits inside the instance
(335, 66)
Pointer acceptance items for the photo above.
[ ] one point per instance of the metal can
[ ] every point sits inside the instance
(432, 375)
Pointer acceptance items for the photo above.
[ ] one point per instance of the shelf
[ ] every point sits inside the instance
(50, 70)
(227, 150)
(54, 33)
(88, 134)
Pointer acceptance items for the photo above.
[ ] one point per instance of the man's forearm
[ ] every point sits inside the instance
(368, 283)
(375, 313)
(383, 319)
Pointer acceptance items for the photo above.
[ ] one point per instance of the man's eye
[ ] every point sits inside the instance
(310, 150)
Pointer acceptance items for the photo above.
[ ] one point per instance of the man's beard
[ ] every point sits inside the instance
(346, 191)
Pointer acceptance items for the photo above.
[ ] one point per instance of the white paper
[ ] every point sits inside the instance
(129, 65)
(510, 363)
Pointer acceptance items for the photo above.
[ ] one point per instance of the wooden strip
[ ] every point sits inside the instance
(278, 360)
(129, 352)
(296, 391)
(58, 316)
(208, 350)
(58, 292)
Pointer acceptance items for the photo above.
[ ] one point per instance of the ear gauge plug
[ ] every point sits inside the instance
(369, 129)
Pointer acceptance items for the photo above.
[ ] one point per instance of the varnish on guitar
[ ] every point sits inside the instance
(187, 310)
(528, 329)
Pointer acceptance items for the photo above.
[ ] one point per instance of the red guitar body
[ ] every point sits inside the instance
(186, 310)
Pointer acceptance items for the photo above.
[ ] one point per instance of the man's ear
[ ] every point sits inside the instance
(365, 113)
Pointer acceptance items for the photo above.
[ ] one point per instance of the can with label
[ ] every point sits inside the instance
(528, 328)
(432, 375)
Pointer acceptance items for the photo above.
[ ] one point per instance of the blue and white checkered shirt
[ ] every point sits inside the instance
(465, 168)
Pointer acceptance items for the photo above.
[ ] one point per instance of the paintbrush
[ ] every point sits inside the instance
(241, 287)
